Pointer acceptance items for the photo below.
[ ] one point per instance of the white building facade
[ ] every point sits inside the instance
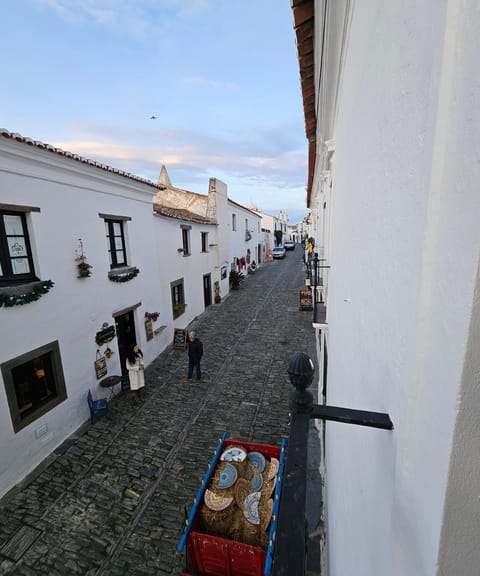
(394, 198)
(267, 225)
(153, 268)
(245, 234)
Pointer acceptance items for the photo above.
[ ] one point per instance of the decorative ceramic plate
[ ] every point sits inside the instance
(228, 477)
(250, 508)
(257, 483)
(249, 474)
(234, 454)
(241, 491)
(216, 502)
(267, 515)
(272, 468)
(257, 459)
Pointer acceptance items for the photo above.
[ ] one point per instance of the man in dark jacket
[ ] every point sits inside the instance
(195, 353)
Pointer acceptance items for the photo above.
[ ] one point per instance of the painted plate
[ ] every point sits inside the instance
(250, 508)
(249, 474)
(257, 459)
(234, 454)
(241, 491)
(272, 468)
(228, 477)
(257, 483)
(216, 502)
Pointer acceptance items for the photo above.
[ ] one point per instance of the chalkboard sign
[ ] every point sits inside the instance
(306, 300)
(180, 338)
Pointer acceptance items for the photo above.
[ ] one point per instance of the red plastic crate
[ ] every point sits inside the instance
(213, 556)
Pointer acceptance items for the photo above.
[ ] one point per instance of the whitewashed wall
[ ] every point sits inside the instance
(403, 308)
(191, 268)
(71, 195)
(238, 245)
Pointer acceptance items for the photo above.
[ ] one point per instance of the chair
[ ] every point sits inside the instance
(97, 407)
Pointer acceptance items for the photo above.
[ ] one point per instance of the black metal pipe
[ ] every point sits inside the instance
(349, 416)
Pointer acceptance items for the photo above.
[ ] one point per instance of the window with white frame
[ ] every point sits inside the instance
(16, 262)
(234, 222)
(34, 384)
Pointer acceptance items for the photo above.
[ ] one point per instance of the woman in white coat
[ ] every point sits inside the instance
(136, 372)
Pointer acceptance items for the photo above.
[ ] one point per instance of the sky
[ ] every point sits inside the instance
(220, 77)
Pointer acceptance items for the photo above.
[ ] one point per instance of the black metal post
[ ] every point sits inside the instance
(291, 539)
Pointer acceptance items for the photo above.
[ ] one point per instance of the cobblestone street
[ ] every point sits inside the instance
(111, 499)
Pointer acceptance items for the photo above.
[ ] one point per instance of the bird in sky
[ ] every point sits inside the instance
(153, 117)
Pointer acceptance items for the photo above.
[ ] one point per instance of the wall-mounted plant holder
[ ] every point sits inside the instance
(153, 316)
(83, 267)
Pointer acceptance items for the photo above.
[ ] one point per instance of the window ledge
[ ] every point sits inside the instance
(21, 294)
(123, 274)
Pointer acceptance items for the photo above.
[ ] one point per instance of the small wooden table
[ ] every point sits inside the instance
(110, 382)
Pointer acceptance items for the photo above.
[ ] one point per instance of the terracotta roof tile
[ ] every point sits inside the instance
(19, 138)
(181, 214)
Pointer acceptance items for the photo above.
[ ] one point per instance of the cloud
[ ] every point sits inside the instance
(202, 81)
(132, 15)
(274, 180)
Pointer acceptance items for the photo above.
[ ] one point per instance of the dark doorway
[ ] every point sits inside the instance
(207, 290)
(259, 252)
(126, 336)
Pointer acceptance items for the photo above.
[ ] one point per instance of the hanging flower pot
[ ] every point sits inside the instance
(83, 272)
(83, 266)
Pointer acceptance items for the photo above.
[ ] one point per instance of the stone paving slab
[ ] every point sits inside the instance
(111, 500)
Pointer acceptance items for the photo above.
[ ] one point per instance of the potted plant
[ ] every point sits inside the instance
(216, 287)
(178, 309)
(82, 265)
(235, 279)
(153, 316)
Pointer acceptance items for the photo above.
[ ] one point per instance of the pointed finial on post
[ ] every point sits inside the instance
(300, 369)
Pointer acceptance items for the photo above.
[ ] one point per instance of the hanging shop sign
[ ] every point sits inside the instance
(105, 335)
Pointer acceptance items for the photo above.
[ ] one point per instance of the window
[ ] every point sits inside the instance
(186, 239)
(178, 298)
(16, 263)
(34, 384)
(234, 222)
(116, 243)
(204, 241)
(248, 235)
